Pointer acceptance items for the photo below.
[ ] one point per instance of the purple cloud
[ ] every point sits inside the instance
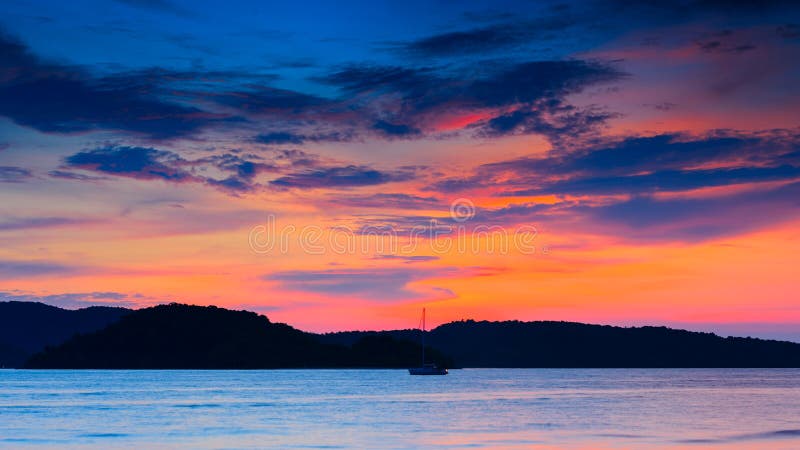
(376, 284)
(11, 174)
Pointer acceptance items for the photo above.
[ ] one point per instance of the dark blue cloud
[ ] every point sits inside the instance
(667, 180)
(157, 6)
(477, 40)
(280, 138)
(558, 24)
(333, 177)
(534, 90)
(60, 105)
(146, 163)
(725, 41)
(531, 81)
(58, 98)
(297, 158)
(395, 129)
(244, 167)
(667, 162)
(287, 137)
(384, 101)
(365, 78)
(232, 184)
(664, 151)
(387, 200)
(499, 36)
(12, 174)
(493, 85)
(549, 118)
(296, 169)
(134, 162)
(267, 100)
(788, 31)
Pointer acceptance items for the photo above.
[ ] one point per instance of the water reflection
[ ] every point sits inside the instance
(478, 408)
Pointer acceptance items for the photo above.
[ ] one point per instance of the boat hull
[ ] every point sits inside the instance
(427, 371)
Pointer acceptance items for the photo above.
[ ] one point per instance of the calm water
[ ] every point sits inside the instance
(473, 408)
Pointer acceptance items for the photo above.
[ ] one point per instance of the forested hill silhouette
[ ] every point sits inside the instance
(27, 327)
(570, 344)
(182, 336)
(179, 336)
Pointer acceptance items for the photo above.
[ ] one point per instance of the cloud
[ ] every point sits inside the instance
(268, 100)
(404, 100)
(484, 220)
(530, 81)
(239, 172)
(719, 47)
(374, 284)
(244, 168)
(40, 222)
(477, 40)
(146, 163)
(66, 175)
(77, 300)
(157, 5)
(14, 269)
(612, 188)
(346, 176)
(550, 118)
(11, 174)
(57, 98)
(788, 31)
(663, 181)
(723, 42)
(501, 85)
(280, 138)
(640, 218)
(382, 101)
(367, 78)
(395, 129)
(696, 219)
(286, 137)
(407, 259)
(636, 165)
(135, 162)
(387, 200)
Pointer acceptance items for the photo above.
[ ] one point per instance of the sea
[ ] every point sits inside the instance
(389, 409)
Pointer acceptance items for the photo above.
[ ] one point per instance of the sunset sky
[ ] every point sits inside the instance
(340, 165)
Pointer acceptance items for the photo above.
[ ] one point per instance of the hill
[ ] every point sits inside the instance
(179, 336)
(27, 327)
(569, 344)
(182, 337)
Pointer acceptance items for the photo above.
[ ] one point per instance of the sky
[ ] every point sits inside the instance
(341, 165)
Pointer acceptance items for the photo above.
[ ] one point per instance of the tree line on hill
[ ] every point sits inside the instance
(179, 336)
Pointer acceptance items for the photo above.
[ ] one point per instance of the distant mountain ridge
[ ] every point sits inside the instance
(575, 345)
(179, 336)
(27, 327)
(183, 336)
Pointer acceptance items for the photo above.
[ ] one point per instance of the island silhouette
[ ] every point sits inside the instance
(178, 336)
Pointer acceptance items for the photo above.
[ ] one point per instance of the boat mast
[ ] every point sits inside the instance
(423, 337)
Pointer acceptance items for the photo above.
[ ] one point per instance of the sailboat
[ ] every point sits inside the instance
(426, 368)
